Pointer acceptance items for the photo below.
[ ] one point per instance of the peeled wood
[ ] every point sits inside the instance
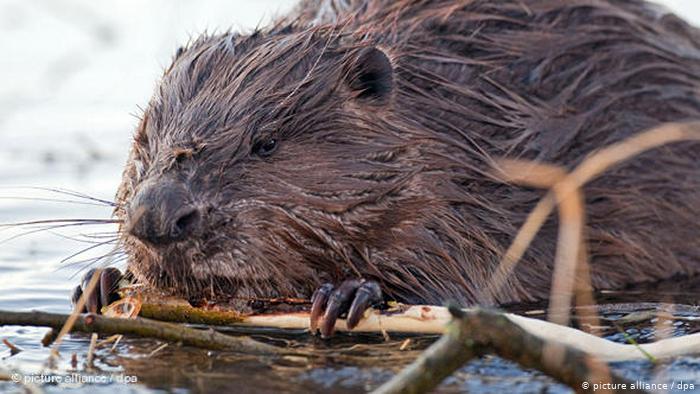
(425, 319)
(421, 319)
(478, 332)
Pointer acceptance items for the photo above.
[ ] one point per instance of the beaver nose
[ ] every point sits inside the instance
(161, 213)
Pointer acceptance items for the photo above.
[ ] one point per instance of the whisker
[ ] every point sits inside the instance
(102, 234)
(56, 200)
(67, 192)
(114, 256)
(66, 221)
(47, 228)
(86, 238)
(85, 250)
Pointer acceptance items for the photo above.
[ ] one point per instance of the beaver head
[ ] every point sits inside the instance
(265, 164)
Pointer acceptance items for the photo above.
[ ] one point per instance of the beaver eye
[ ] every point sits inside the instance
(265, 148)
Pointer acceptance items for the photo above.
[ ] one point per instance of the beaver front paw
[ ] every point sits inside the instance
(104, 293)
(352, 297)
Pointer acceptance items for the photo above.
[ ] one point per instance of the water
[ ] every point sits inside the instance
(73, 76)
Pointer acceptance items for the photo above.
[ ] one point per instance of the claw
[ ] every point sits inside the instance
(319, 300)
(109, 281)
(103, 294)
(352, 296)
(77, 292)
(367, 295)
(92, 302)
(339, 301)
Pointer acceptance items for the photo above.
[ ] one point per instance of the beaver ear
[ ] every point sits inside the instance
(371, 76)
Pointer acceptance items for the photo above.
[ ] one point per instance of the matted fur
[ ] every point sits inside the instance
(402, 191)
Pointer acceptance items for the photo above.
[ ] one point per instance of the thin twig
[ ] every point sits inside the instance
(70, 321)
(589, 169)
(90, 364)
(14, 349)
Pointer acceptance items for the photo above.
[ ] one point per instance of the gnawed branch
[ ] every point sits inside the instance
(141, 327)
(415, 319)
(478, 332)
(420, 319)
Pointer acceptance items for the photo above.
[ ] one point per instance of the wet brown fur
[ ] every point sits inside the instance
(401, 190)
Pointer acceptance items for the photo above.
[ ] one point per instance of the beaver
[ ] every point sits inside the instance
(346, 152)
